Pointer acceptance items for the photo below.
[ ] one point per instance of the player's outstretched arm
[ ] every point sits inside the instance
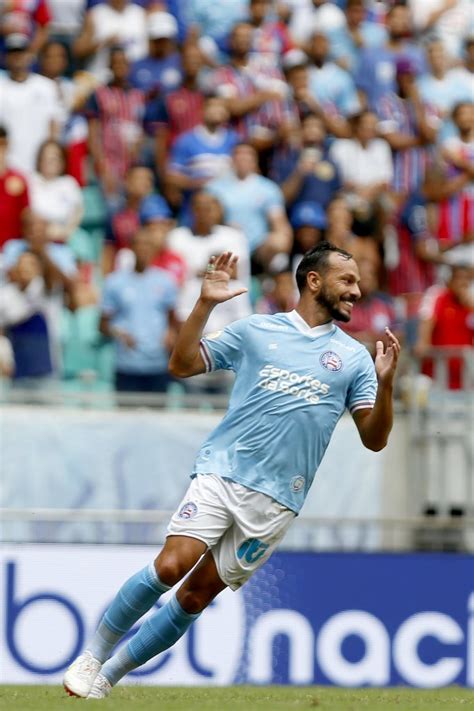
(375, 425)
(186, 358)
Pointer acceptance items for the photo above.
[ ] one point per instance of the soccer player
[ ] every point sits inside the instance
(295, 375)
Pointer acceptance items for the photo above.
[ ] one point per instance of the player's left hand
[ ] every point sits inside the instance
(386, 359)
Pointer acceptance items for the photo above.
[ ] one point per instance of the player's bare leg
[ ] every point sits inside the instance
(178, 556)
(138, 595)
(161, 631)
(201, 587)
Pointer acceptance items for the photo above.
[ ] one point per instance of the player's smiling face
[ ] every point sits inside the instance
(340, 287)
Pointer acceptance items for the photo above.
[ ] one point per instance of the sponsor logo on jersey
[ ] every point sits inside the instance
(331, 361)
(212, 336)
(297, 483)
(188, 510)
(304, 387)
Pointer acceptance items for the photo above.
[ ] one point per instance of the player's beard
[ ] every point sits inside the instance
(331, 303)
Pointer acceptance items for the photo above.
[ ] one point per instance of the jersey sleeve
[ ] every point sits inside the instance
(223, 350)
(363, 389)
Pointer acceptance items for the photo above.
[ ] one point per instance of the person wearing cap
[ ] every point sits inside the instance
(156, 217)
(137, 314)
(29, 107)
(115, 112)
(160, 70)
(409, 126)
(112, 23)
(31, 19)
(376, 71)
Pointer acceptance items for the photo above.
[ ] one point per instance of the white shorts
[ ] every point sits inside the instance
(241, 527)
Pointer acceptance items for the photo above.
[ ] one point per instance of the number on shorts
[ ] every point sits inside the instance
(252, 549)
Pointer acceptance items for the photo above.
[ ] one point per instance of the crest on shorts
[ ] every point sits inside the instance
(188, 510)
(297, 483)
(331, 361)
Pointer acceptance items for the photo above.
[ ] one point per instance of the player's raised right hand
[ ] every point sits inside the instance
(216, 285)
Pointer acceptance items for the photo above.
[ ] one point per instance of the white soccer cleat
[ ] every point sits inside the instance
(80, 676)
(101, 688)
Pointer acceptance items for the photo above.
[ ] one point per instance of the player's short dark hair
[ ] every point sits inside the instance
(3, 132)
(317, 260)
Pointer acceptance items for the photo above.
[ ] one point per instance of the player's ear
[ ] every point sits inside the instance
(313, 281)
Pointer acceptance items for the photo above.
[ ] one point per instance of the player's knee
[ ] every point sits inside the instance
(170, 569)
(194, 601)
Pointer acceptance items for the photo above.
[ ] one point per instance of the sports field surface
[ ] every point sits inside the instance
(267, 698)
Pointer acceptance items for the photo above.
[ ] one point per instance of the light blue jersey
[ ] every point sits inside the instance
(292, 385)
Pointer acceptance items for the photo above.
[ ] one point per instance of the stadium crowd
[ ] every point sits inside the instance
(140, 137)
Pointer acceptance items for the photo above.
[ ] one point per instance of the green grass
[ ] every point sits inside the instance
(241, 698)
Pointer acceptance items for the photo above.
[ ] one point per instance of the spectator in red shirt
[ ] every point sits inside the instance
(447, 320)
(123, 224)
(13, 195)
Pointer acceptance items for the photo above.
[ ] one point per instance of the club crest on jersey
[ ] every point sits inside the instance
(188, 510)
(331, 361)
(297, 483)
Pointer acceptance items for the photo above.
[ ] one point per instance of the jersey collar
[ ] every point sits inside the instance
(303, 327)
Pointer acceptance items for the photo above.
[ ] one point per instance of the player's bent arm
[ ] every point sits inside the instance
(186, 358)
(375, 424)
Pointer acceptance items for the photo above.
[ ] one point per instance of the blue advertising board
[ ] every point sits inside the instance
(305, 618)
(361, 619)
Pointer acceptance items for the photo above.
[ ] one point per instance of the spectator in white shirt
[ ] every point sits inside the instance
(365, 163)
(56, 197)
(196, 245)
(29, 106)
(114, 23)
